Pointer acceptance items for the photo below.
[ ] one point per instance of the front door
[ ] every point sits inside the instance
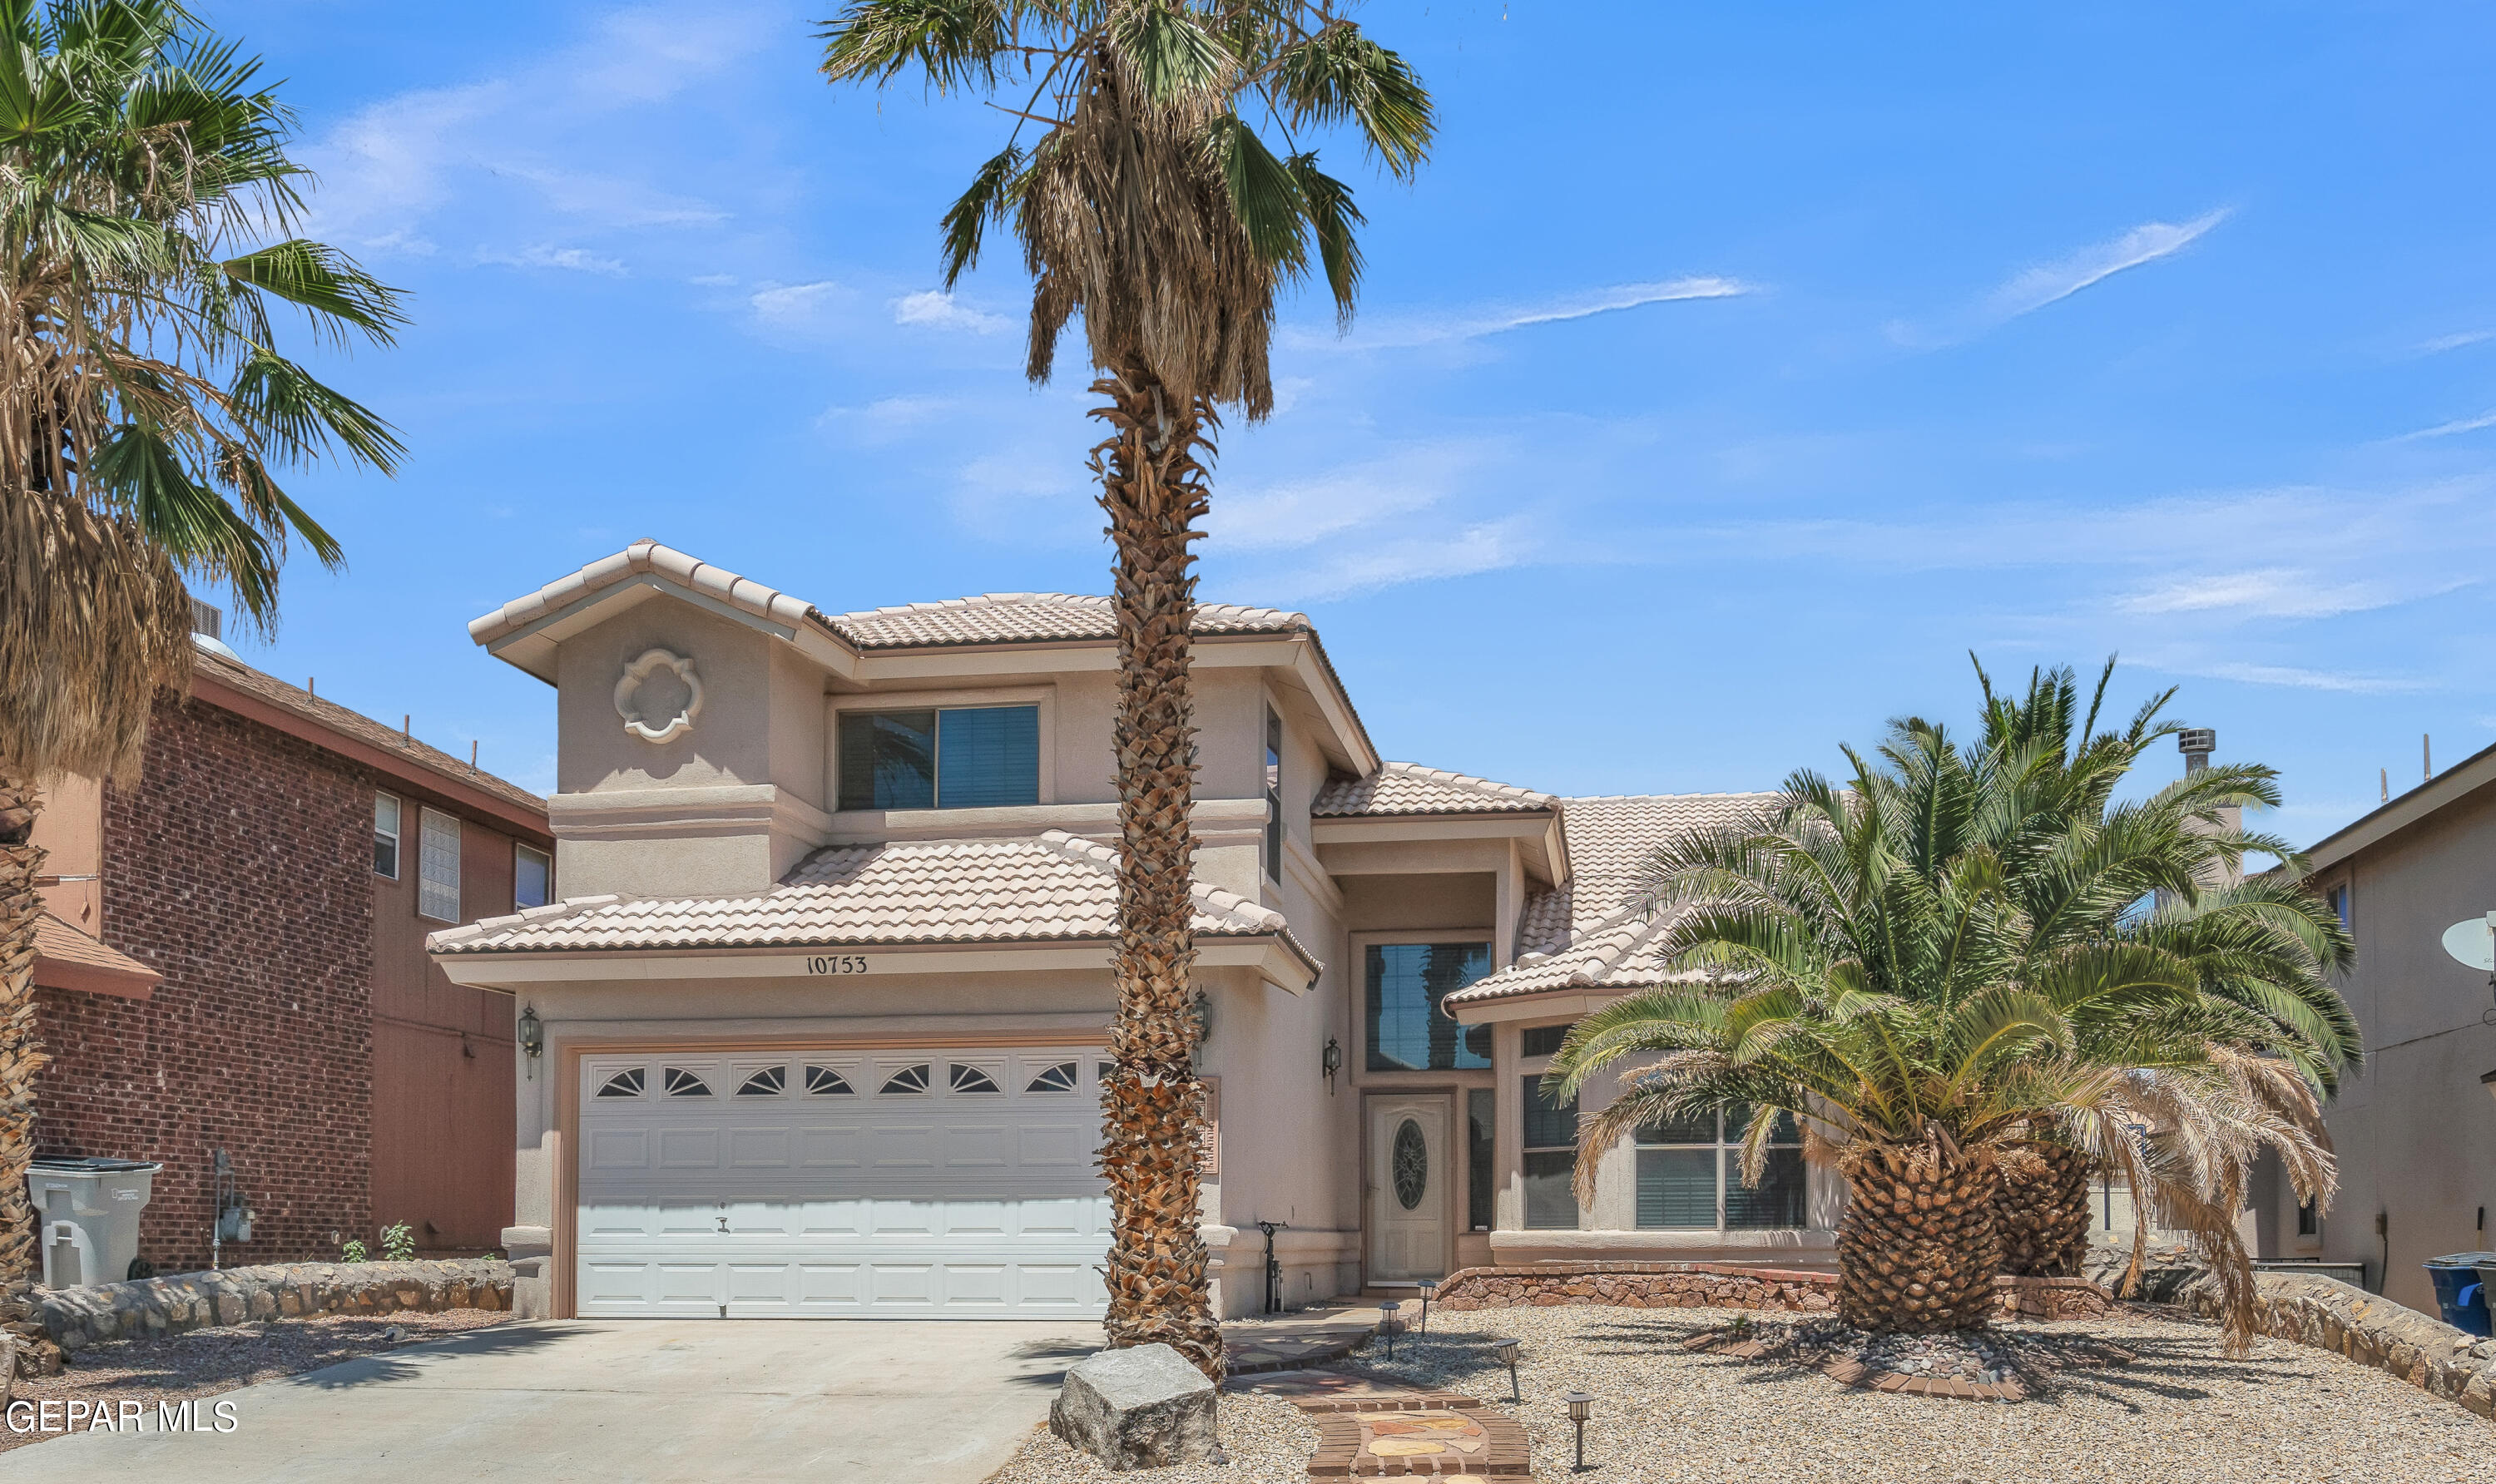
(1409, 1185)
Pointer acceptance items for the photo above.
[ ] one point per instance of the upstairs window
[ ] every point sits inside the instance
(1408, 1031)
(532, 876)
(959, 757)
(386, 836)
(1273, 796)
(2337, 899)
(437, 867)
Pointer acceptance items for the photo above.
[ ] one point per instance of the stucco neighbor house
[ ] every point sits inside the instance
(816, 1027)
(2416, 1133)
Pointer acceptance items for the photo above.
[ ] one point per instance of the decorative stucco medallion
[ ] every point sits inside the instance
(632, 705)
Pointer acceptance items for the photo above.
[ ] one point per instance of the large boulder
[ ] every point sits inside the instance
(1145, 1407)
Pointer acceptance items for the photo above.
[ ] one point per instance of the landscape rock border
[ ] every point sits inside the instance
(77, 1318)
(1728, 1285)
(2328, 1314)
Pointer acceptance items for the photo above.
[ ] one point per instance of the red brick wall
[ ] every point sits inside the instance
(240, 868)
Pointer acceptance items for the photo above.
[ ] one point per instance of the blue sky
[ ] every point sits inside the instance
(1729, 374)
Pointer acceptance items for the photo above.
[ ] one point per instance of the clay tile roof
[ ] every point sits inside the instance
(66, 957)
(646, 556)
(1408, 788)
(363, 729)
(1053, 887)
(1004, 618)
(1592, 933)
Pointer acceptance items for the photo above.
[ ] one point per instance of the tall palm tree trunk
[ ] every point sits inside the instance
(1153, 1106)
(22, 1055)
(1917, 1249)
(2044, 1210)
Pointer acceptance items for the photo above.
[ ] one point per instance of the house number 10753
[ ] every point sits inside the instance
(853, 963)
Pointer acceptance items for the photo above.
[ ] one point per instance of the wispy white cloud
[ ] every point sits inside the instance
(887, 420)
(1293, 513)
(713, 280)
(573, 260)
(2298, 677)
(2443, 343)
(546, 127)
(1365, 566)
(938, 310)
(790, 303)
(2449, 429)
(2269, 592)
(1389, 333)
(2033, 289)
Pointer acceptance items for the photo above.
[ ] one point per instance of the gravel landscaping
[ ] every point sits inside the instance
(1263, 1438)
(2180, 1413)
(2034, 1355)
(203, 1362)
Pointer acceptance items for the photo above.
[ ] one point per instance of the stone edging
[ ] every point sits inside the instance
(78, 1317)
(1726, 1285)
(2328, 1314)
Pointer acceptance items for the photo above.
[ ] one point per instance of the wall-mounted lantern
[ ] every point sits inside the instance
(532, 1036)
(1331, 1062)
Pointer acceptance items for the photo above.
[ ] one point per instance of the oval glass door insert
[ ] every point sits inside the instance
(1412, 1164)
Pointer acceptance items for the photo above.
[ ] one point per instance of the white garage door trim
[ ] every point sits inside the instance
(842, 1184)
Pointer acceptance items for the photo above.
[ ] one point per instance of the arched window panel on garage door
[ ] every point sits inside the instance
(627, 1083)
(968, 1078)
(682, 1083)
(763, 1082)
(828, 1082)
(905, 1081)
(1059, 1077)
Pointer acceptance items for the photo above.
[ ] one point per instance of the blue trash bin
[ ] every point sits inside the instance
(2460, 1294)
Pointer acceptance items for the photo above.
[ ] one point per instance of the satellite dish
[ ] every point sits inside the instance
(2473, 941)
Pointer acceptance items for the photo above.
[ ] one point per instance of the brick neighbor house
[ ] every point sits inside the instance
(233, 959)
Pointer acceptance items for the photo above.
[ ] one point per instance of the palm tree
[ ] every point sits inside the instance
(1150, 203)
(1867, 959)
(143, 411)
(2080, 868)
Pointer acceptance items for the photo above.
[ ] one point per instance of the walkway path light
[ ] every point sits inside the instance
(1506, 1350)
(1581, 1406)
(1386, 1323)
(1429, 1287)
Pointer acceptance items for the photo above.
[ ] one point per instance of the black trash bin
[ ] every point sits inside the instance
(2458, 1294)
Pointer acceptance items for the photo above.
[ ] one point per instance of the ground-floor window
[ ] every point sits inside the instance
(1550, 1159)
(1690, 1175)
(1481, 1108)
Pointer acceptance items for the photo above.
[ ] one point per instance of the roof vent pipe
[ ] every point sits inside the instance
(2197, 743)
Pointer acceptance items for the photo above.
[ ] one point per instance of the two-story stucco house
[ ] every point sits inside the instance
(815, 1028)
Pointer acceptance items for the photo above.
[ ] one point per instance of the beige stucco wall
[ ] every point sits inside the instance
(2415, 1133)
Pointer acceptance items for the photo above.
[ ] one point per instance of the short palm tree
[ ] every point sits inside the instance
(1149, 201)
(1869, 961)
(143, 412)
(2081, 868)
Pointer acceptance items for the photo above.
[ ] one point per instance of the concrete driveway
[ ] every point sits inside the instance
(606, 1401)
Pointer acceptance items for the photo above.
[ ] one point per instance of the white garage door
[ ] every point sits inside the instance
(842, 1185)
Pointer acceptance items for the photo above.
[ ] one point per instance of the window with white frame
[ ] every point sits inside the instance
(1690, 1175)
(532, 876)
(386, 836)
(437, 867)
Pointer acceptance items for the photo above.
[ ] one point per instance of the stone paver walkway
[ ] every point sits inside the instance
(1293, 1342)
(1373, 1428)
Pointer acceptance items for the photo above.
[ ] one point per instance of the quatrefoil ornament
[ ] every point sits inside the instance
(627, 697)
